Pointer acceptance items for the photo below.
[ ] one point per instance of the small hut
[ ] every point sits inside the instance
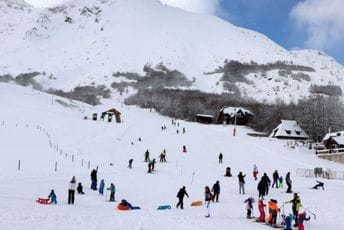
(289, 129)
(116, 113)
(204, 118)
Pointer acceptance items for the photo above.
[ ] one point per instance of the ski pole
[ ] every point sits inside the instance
(315, 217)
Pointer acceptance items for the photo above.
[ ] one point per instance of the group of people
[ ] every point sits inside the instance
(73, 187)
(209, 196)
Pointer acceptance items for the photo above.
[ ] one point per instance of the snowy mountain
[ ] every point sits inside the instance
(46, 132)
(84, 42)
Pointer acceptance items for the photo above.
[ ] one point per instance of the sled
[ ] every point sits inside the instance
(43, 200)
(197, 203)
(122, 207)
(164, 207)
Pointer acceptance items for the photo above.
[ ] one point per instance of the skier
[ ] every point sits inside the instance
(130, 163)
(261, 208)
(228, 172)
(112, 192)
(216, 190)
(241, 179)
(94, 179)
(180, 195)
(208, 196)
(319, 184)
(255, 172)
(301, 218)
(220, 158)
(79, 189)
(101, 187)
(71, 190)
(147, 156)
(288, 182)
(275, 178)
(184, 131)
(249, 207)
(52, 196)
(296, 205)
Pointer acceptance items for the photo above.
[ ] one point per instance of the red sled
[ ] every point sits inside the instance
(43, 200)
(122, 207)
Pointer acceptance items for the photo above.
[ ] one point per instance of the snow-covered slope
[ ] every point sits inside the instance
(29, 119)
(85, 41)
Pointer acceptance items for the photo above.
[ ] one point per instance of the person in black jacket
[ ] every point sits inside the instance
(241, 178)
(182, 192)
(261, 188)
(288, 182)
(266, 183)
(275, 178)
(94, 179)
(216, 190)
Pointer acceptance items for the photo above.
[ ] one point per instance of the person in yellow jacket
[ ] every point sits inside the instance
(273, 210)
(296, 205)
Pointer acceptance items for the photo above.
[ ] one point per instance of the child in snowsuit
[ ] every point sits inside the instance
(52, 197)
(249, 207)
(302, 217)
(112, 192)
(273, 210)
(255, 172)
(287, 220)
(79, 189)
(280, 180)
(261, 208)
(101, 187)
(130, 165)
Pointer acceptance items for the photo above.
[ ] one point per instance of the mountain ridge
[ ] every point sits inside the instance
(84, 42)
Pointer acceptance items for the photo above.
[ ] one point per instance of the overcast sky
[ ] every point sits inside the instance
(293, 24)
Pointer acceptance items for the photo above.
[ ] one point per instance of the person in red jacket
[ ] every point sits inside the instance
(301, 218)
(261, 208)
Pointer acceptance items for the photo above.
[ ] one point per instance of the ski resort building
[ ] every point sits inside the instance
(334, 140)
(110, 113)
(289, 129)
(234, 115)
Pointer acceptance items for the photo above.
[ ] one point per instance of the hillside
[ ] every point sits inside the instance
(85, 42)
(30, 118)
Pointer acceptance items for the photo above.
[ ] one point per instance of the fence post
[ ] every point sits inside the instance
(55, 166)
(66, 155)
(72, 157)
(89, 164)
(19, 165)
(82, 162)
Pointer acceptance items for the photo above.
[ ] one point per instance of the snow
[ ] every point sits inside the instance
(28, 119)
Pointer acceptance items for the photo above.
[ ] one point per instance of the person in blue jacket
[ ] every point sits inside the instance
(52, 196)
(101, 187)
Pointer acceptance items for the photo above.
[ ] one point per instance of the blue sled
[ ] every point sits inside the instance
(164, 207)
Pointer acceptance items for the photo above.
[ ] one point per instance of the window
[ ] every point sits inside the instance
(298, 132)
(288, 131)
